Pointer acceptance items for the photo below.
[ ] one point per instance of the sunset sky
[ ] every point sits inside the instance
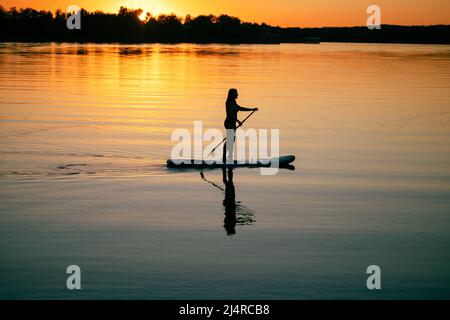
(303, 13)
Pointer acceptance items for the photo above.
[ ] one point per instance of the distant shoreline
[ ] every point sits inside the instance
(211, 43)
(29, 25)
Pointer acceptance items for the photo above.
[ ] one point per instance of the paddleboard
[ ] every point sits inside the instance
(284, 161)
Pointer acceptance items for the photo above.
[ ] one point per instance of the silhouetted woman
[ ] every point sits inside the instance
(232, 109)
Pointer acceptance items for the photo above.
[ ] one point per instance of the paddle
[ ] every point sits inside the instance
(224, 139)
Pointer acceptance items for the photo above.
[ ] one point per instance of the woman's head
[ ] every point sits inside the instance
(232, 94)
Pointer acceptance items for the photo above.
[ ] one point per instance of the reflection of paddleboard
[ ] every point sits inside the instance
(282, 162)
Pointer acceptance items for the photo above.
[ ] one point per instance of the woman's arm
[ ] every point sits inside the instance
(245, 109)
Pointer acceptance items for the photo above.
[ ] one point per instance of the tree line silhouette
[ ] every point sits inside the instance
(32, 25)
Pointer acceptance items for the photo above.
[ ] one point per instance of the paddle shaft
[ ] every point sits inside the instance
(224, 139)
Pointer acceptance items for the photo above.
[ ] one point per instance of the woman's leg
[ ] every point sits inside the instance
(230, 144)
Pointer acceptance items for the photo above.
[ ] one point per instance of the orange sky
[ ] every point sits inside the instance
(303, 13)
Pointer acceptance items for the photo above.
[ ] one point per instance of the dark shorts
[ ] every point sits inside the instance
(230, 124)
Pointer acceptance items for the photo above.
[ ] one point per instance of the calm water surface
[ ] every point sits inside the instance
(85, 133)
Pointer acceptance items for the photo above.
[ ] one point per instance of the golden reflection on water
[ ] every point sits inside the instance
(335, 104)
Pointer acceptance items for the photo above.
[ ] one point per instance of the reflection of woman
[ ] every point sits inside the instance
(229, 203)
(232, 109)
(235, 212)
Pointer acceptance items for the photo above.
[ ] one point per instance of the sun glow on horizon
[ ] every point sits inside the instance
(143, 16)
(285, 13)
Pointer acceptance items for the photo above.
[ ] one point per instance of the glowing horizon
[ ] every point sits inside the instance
(289, 13)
